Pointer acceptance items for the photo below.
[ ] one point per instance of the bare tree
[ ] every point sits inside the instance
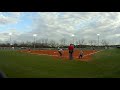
(104, 43)
(91, 42)
(56, 44)
(81, 42)
(43, 41)
(76, 42)
(46, 41)
(94, 42)
(63, 41)
(52, 43)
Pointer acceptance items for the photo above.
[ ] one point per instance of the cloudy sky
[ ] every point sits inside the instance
(57, 25)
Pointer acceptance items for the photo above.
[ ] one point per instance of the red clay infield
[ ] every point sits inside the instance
(87, 54)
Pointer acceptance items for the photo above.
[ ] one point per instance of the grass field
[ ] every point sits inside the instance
(105, 64)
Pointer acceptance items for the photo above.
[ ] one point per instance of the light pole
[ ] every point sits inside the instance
(98, 39)
(64, 40)
(73, 37)
(34, 35)
(10, 34)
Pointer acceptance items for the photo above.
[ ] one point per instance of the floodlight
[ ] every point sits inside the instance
(73, 35)
(34, 35)
(10, 33)
(98, 34)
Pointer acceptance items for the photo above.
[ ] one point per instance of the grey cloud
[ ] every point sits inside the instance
(4, 20)
(55, 25)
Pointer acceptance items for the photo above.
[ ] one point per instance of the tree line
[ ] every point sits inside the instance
(46, 43)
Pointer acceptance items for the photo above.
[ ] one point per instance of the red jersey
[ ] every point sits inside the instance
(70, 47)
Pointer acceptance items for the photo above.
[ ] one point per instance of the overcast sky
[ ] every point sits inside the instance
(57, 25)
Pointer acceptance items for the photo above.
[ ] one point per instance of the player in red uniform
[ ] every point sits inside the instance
(71, 50)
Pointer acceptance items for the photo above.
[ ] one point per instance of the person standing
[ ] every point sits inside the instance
(29, 50)
(60, 51)
(13, 48)
(71, 49)
(81, 54)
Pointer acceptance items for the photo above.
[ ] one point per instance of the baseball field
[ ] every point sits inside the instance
(48, 64)
(65, 53)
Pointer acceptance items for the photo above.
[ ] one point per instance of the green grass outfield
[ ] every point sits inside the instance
(105, 64)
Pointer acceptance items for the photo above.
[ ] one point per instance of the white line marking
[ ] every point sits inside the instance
(44, 54)
(92, 53)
